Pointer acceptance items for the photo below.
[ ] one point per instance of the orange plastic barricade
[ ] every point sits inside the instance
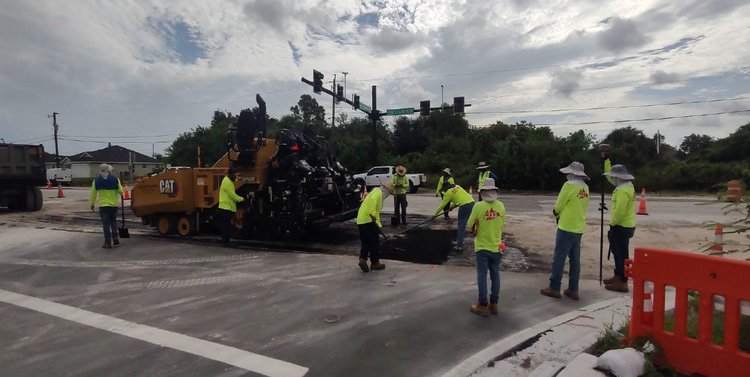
(709, 276)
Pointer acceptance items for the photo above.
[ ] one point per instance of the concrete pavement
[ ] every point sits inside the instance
(314, 311)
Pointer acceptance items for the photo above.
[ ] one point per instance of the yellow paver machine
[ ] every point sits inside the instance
(291, 184)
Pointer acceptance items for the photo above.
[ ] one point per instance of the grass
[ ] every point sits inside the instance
(717, 326)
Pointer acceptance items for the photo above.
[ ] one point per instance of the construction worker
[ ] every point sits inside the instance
(455, 196)
(484, 173)
(228, 200)
(108, 189)
(400, 185)
(445, 177)
(487, 219)
(369, 225)
(621, 223)
(570, 213)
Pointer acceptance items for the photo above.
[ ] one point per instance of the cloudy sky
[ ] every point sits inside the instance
(138, 73)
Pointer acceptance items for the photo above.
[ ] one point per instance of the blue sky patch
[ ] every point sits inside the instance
(182, 39)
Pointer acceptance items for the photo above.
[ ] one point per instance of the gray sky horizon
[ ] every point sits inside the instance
(139, 73)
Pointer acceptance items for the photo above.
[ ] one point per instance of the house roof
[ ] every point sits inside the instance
(111, 154)
(50, 157)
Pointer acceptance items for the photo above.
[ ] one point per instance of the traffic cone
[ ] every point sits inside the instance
(718, 244)
(49, 185)
(642, 205)
(60, 193)
(126, 194)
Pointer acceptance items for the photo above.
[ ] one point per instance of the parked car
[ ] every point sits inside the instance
(379, 174)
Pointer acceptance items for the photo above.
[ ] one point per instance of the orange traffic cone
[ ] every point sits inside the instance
(60, 193)
(718, 244)
(126, 193)
(49, 185)
(642, 205)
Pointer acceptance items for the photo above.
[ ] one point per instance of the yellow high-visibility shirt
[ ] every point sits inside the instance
(400, 184)
(456, 196)
(489, 219)
(228, 198)
(440, 183)
(571, 205)
(108, 197)
(371, 206)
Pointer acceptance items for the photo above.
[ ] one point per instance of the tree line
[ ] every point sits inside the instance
(524, 156)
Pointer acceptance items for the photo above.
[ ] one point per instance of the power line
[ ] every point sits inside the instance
(612, 107)
(119, 142)
(119, 137)
(642, 119)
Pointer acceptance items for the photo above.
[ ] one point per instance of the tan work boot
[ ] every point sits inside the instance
(493, 308)
(363, 265)
(618, 286)
(480, 310)
(549, 292)
(377, 266)
(107, 245)
(611, 280)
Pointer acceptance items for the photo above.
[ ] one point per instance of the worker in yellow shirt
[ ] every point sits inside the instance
(445, 177)
(400, 185)
(369, 226)
(228, 200)
(570, 212)
(455, 196)
(487, 219)
(108, 189)
(621, 223)
(484, 173)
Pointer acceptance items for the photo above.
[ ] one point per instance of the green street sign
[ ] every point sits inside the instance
(364, 107)
(402, 111)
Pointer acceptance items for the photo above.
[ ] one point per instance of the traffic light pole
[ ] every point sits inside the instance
(374, 116)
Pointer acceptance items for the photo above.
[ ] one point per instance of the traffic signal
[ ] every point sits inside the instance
(356, 102)
(339, 93)
(317, 81)
(458, 105)
(424, 108)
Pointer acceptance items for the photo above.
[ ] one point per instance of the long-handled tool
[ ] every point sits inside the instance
(388, 239)
(603, 148)
(123, 230)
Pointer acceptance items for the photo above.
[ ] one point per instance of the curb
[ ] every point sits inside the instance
(480, 359)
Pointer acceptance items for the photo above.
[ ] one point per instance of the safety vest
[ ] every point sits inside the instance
(482, 176)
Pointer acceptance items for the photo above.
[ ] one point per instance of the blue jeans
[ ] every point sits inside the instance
(619, 242)
(488, 260)
(567, 245)
(109, 222)
(464, 212)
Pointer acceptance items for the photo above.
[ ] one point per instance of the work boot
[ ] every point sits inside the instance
(549, 292)
(377, 266)
(363, 265)
(115, 241)
(611, 280)
(493, 308)
(480, 310)
(618, 286)
(403, 221)
(107, 245)
(457, 249)
(571, 294)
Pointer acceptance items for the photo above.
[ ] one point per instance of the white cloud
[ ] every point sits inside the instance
(112, 68)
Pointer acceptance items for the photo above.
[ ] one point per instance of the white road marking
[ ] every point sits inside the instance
(233, 356)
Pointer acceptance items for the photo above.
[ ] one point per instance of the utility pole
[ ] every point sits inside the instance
(344, 73)
(442, 101)
(374, 116)
(54, 127)
(333, 104)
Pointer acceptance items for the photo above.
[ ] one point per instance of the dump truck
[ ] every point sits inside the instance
(22, 171)
(291, 184)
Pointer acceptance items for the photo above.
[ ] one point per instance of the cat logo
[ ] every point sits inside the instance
(168, 187)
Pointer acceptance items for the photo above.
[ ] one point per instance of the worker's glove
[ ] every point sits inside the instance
(92, 208)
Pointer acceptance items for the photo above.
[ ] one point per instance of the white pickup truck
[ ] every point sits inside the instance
(378, 174)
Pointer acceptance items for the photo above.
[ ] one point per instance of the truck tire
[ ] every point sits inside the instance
(28, 199)
(165, 224)
(38, 199)
(413, 189)
(185, 226)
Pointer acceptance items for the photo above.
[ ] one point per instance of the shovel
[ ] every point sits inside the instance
(390, 238)
(123, 230)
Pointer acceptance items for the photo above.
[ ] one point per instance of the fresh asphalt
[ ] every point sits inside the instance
(314, 311)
